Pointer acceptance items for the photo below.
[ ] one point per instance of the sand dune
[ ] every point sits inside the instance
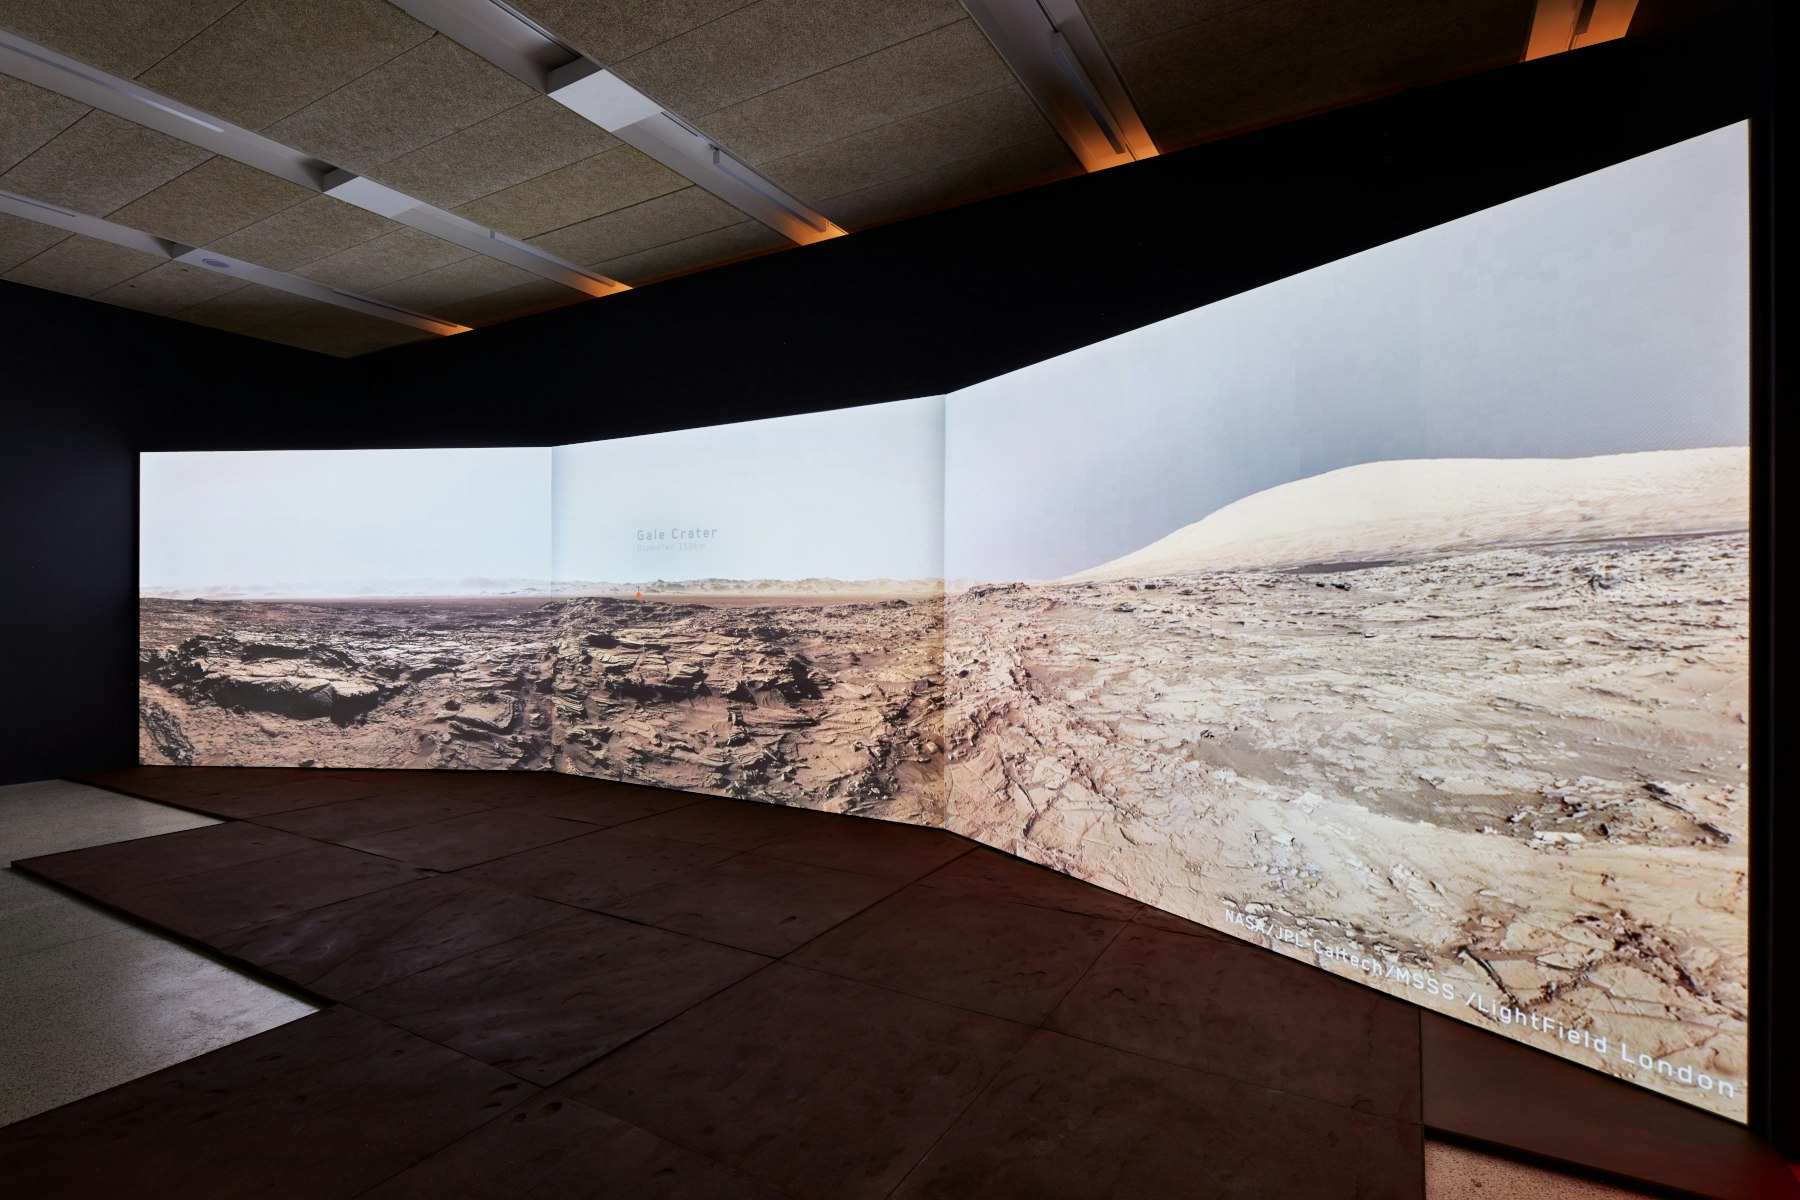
(1412, 509)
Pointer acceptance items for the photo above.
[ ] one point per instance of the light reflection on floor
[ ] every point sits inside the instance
(87, 1000)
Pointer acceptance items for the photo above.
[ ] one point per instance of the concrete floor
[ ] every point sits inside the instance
(87, 1000)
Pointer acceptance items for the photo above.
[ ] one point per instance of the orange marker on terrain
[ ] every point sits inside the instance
(640, 595)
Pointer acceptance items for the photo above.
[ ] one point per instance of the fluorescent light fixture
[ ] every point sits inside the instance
(46, 68)
(1559, 25)
(103, 230)
(312, 289)
(645, 125)
(497, 32)
(223, 264)
(385, 201)
(1053, 49)
(529, 52)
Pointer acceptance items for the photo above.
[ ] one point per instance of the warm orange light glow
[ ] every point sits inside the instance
(594, 287)
(806, 234)
(1557, 25)
(1610, 19)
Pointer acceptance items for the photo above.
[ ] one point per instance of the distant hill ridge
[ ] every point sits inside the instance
(1414, 508)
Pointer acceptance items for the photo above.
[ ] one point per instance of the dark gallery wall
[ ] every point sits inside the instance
(915, 308)
(84, 385)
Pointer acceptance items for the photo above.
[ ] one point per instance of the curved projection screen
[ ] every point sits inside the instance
(1393, 616)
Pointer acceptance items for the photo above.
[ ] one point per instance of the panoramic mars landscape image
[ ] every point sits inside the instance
(730, 636)
(1487, 752)
(827, 696)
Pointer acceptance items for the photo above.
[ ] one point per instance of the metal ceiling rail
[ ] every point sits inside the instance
(46, 68)
(535, 56)
(1058, 58)
(222, 264)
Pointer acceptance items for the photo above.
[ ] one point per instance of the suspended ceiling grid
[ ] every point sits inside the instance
(868, 110)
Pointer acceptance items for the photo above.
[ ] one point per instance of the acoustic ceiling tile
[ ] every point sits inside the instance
(603, 183)
(268, 58)
(432, 91)
(983, 124)
(247, 307)
(123, 37)
(1124, 22)
(169, 287)
(382, 260)
(304, 233)
(769, 44)
(81, 266)
(216, 198)
(429, 291)
(31, 116)
(530, 297)
(99, 163)
(1280, 59)
(523, 142)
(937, 68)
(952, 183)
(656, 222)
(688, 254)
(337, 331)
(609, 30)
(21, 240)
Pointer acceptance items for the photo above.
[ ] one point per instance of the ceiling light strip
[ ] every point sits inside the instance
(530, 53)
(70, 221)
(46, 68)
(59, 73)
(312, 289)
(395, 205)
(1053, 49)
(103, 230)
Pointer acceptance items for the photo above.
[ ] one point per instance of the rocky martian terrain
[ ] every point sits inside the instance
(1517, 771)
(834, 706)
(357, 683)
(824, 701)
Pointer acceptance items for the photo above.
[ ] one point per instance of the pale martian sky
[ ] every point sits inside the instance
(857, 493)
(1606, 314)
(317, 522)
(851, 494)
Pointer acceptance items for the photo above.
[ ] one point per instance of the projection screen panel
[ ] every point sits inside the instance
(1393, 616)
